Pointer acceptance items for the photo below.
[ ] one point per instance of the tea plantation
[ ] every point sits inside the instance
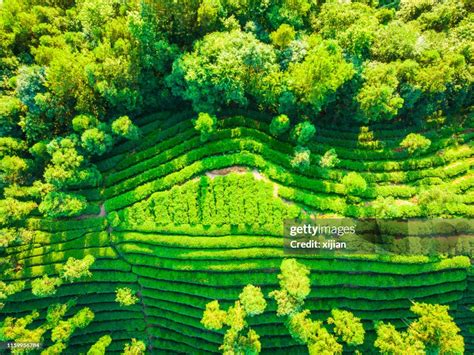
(155, 156)
(182, 222)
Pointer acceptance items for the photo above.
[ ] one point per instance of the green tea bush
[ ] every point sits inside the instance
(366, 139)
(214, 201)
(438, 201)
(343, 163)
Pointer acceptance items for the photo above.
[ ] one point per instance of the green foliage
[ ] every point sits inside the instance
(395, 41)
(354, 183)
(294, 288)
(10, 145)
(235, 317)
(54, 349)
(325, 343)
(124, 127)
(8, 289)
(82, 122)
(64, 329)
(347, 327)
(100, 346)
(45, 286)
(125, 296)
(213, 317)
(385, 207)
(136, 347)
(315, 80)
(69, 69)
(75, 269)
(434, 331)
(225, 68)
(208, 14)
(390, 341)
(329, 159)
(241, 344)
(415, 143)
(283, 36)
(378, 98)
(10, 110)
(252, 300)
(9, 236)
(366, 139)
(39, 151)
(302, 328)
(67, 166)
(279, 125)
(353, 25)
(205, 124)
(437, 201)
(251, 303)
(61, 204)
(303, 132)
(62, 332)
(82, 318)
(213, 202)
(14, 329)
(96, 141)
(56, 312)
(13, 210)
(113, 218)
(12, 169)
(301, 158)
(294, 279)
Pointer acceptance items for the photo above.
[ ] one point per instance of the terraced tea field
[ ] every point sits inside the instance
(184, 222)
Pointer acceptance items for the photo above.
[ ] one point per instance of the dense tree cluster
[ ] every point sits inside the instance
(20, 330)
(239, 338)
(434, 332)
(342, 326)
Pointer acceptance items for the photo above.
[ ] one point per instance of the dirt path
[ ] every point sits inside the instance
(102, 213)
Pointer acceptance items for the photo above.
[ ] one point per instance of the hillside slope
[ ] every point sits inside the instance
(184, 222)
